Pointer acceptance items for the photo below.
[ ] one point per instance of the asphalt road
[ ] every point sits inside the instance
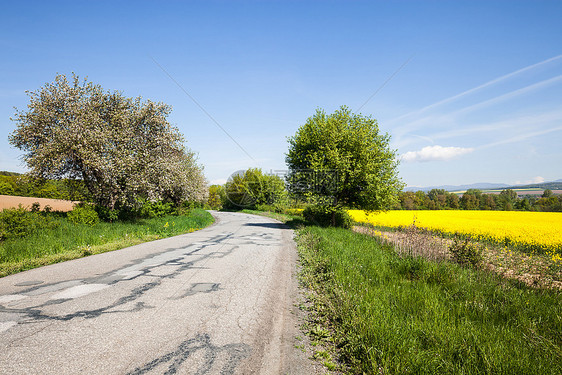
(216, 301)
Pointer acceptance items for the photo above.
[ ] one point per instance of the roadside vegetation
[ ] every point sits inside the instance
(31, 239)
(412, 302)
(388, 312)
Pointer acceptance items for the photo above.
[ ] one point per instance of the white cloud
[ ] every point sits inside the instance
(534, 180)
(433, 153)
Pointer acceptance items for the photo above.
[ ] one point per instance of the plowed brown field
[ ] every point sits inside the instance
(9, 201)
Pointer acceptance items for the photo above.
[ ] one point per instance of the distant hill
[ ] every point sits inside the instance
(478, 185)
(6, 173)
(552, 185)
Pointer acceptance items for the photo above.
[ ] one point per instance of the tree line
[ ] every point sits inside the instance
(475, 199)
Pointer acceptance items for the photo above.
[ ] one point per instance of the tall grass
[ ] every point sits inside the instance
(394, 314)
(64, 240)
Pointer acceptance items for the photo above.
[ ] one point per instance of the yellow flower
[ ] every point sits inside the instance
(529, 231)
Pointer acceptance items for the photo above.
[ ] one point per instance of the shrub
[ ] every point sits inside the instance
(6, 188)
(83, 214)
(327, 216)
(156, 209)
(106, 214)
(466, 253)
(15, 222)
(18, 222)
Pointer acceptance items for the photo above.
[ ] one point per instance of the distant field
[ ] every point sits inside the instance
(10, 201)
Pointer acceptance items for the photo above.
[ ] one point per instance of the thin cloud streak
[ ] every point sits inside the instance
(384, 83)
(511, 123)
(520, 122)
(477, 88)
(450, 117)
(521, 137)
(509, 95)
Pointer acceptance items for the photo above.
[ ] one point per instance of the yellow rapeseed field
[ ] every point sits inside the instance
(539, 232)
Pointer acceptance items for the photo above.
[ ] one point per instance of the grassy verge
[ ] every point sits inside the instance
(537, 270)
(65, 240)
(401, 314)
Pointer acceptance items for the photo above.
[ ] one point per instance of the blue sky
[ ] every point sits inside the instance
(470, 91)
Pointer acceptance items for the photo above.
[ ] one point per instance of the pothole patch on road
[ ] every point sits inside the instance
(202, 288)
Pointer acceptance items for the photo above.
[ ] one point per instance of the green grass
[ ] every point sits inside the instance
(284, 218)
(394, 315)
(65, 240)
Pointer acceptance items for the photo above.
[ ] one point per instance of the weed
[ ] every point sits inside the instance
(466, 252)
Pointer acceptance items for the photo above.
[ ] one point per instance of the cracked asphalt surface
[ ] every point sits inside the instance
(216, 301)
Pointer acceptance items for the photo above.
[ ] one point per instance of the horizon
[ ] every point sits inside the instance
(483, 186)
(469, 91)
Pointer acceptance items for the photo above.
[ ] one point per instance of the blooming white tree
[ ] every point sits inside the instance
(124, 149)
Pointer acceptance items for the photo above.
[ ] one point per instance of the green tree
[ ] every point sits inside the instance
(252, 188)
(407, 200)
(439, 198)
(216, 196)
(524, 204)
(421, 201)
(547, 193)
(434, 193)
(453, 201)
(343, 159)
(551, 203)
(487, 202)
(471, 199)
(507, 199)
(123, 149)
